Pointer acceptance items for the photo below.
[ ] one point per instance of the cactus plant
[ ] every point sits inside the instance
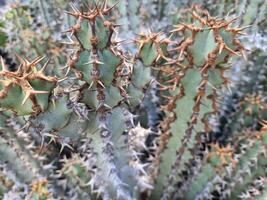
(195, 75)
(246, 106)
(79, 131)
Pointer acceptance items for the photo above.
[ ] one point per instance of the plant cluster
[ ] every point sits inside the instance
(175, 113)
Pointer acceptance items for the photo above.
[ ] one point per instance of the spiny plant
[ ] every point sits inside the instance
(248, 13)
(28, 31)
(194, 75)
(230, 172)
(245, 107)
(75, 135)
(111, 80)
(25, 91)
(83, 116)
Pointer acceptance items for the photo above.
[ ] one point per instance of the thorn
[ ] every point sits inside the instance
(204, 68)
(75, 14)
(104, 5)
(166, 97)
(32, 92)
(21, 60)
(91, 84)
(162, 87)
(65, 145)
(36, 60)
(61, 68)
(221, 48)
(158, 57)
(100, 83)
(243, 52)
(54, 102)
(67, 72)
(68, 43)
(106, 10)
(99, 106)
(27, 75)
(45, 65)
(107, 106)
(73, 7)
(63, 79)
(25, 126)
(4, 67)
(70, 30)
(94, 62)
(117, 25)
(231, 20)
(229, 89)
(27, 95)
(245, 27)
(118, 43)
(242, 33)
(98, 10)
(231, 50)
(210, 84)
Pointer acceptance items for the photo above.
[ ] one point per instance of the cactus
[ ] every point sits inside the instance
(28, 31)
(246, 106)
(26, 91)
(110, 83)
(196, 75)
(78, 131)
(227, 172)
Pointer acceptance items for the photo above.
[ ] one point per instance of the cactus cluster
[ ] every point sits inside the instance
(153, 119)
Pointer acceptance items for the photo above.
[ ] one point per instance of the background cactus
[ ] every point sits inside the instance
(134, 102)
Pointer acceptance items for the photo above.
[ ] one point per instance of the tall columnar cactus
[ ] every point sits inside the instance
(195, 76)
(109, 81)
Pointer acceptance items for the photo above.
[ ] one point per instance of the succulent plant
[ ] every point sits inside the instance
(135, 121)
